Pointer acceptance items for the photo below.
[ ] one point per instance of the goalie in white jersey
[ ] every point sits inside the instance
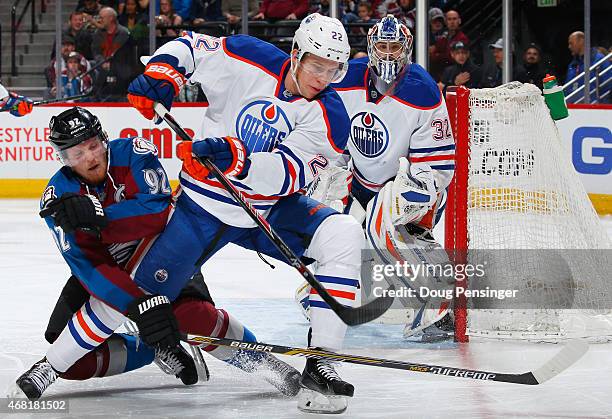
(401, 151)
(272, 123)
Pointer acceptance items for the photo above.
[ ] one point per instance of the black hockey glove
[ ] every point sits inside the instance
(74, 211)
(155, 320)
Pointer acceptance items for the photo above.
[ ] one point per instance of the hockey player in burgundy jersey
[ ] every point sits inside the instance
(401, 150)
(100, 206)
(272, 123)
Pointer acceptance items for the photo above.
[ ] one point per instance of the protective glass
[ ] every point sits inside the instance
(92, 149)
(330, 73)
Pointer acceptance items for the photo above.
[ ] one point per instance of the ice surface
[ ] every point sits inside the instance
(33, 273)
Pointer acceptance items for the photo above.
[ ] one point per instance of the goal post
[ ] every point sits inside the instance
(516, 201)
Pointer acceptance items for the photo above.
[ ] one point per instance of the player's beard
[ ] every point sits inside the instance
(94, 172)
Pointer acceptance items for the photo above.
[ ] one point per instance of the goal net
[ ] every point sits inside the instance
(517, 207)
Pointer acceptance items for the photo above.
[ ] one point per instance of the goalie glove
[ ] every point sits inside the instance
(331, 187)
(413, 192)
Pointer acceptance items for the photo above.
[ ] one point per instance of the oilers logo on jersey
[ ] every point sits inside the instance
(369, 134)
(261, 125)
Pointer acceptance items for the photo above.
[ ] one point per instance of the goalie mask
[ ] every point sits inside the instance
(389, 48)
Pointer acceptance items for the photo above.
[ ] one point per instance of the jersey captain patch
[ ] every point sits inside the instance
(261, 125)
(369, 134)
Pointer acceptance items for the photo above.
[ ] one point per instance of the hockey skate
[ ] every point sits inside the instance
(34, 381)
(323, 391)
(177, 362)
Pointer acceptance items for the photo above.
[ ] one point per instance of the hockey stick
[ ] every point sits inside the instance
(349, 315)
(570, 353)
(63, 99)
(45, 102)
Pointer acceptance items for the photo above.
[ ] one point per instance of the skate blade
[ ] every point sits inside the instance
(310, 401)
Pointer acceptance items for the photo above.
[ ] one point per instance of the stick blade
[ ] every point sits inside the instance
(571, 352)
(366, 313)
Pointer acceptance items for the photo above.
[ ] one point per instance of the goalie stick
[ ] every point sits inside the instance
(349, 315)
(571, 352)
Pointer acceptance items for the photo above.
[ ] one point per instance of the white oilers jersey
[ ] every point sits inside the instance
(413, 123)
(290, 138)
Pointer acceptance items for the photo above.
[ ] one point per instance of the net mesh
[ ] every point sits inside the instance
(523, 193)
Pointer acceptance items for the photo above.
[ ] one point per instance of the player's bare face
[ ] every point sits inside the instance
(88, 160)
(314, 74)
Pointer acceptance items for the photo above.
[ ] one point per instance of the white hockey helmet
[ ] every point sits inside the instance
(389, 48)
(324, 37)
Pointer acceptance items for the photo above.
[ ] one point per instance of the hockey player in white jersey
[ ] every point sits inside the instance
(271, 125)
(401, 149)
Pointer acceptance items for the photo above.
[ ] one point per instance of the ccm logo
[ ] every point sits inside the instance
(592, 150)
(168, 71)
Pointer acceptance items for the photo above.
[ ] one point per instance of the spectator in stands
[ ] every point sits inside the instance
(103, 3)
(143, 5)
(232, 10)
(91, 14)
(531, 70)
(492, 73)
(133, 18)
(349, 11)
(455, 34)
(463, 72)
(205, 11)
(364, 16)
(81, 36)
(167, 17)
(322, 8)
(109, 38)
(74, 80)
(404, 10)
(114, 52)
(274, 10)
(438, 45)
(365, 13)
(68, 46)
(359, 54)
(184, 8)
(576, 66)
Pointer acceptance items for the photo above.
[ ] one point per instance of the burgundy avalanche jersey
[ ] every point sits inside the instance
(136, 197)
